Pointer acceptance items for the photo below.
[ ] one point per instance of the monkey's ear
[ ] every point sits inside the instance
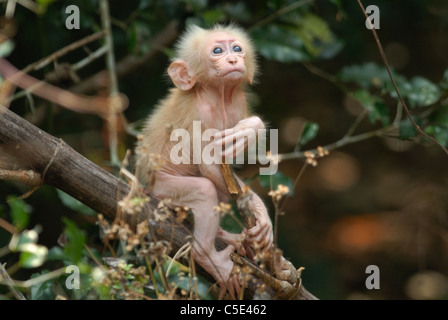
(179, 75)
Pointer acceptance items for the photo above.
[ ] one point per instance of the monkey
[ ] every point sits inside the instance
(211, 71)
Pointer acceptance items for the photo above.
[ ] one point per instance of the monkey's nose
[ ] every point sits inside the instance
(232, 59)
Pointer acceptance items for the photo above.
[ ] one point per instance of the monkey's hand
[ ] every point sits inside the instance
(235, 140)
(237, 240)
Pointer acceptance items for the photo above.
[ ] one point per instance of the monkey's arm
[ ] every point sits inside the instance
(261, 234)
(235, 140)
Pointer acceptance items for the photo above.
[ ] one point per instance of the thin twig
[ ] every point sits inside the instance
(113, 82)
(340, 143)
(27, 177)
(61, 52)
(355, 124)
(130, 63)
(75, 67)
(39, 279)
(327, 76)
(30, 5)
(193, 273)
(10, 9)
(151, 274)
(5, 278)
(161, 268)
(283, 200)
(181, 252)
(98, 263)
(91, 57)
(398, 115)
(7, 226)
(386, 63)
(83, 104)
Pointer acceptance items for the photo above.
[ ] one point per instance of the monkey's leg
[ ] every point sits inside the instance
(201, 196)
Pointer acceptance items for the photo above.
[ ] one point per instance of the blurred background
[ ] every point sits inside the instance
(380, 201)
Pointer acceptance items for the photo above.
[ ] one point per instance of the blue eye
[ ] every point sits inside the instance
(217, 50)
(237, 49)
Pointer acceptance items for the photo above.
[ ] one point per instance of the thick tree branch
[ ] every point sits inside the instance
(62, 167)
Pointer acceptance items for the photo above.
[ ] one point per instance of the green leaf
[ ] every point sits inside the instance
(438, 127)
(277, 178)
(32, 255)
(75, 244)
(138, 37)
(43, 5)
(420, 92)
(317, 37)
(230, 222)
(375, 105)
(280, 43)
(212, 16)
(407, 129)
(379, 112)
(365, 98)
(180, 278)
(45, 2)
(439, 133)
(74, 204)
(56, 253)
(202, 285)
(366, 75)
(20, 212)
(309, 132)
(42, 290)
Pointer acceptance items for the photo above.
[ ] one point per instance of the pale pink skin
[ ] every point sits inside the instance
(219, 100)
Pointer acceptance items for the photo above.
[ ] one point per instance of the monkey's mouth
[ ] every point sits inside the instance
(234, 71)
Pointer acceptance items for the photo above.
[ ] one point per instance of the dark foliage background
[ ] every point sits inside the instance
(380, 201)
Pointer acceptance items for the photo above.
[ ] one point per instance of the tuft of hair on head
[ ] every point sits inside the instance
(192, 44)
(189, 46)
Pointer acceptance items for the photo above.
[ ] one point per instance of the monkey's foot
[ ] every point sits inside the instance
(219, 266)
(288, 272)
(238, 241)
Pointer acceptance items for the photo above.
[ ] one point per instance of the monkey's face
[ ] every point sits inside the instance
(226, 58)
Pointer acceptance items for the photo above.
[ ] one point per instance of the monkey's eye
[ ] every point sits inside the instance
(237, 49)
(217, 50)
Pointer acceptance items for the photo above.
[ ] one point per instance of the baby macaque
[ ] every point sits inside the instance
(210, 70)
